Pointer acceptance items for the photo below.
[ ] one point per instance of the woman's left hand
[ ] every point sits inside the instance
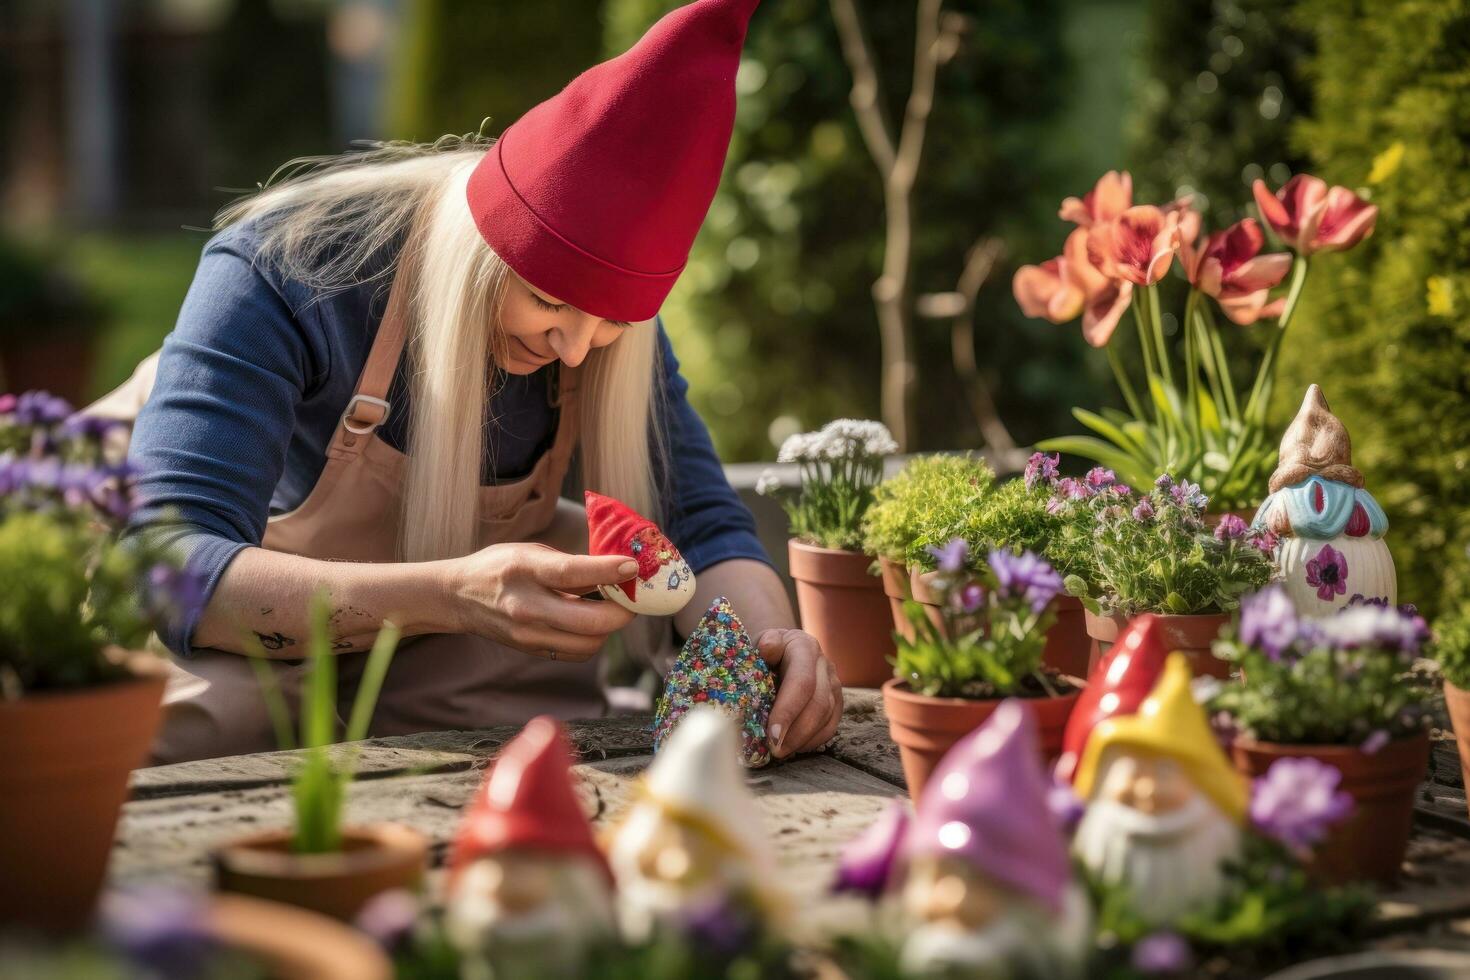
(808, 695)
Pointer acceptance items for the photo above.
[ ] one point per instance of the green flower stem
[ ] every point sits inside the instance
(1124, 385)
(1191, 368)
(1150, 367)
(1157, 324)
(1227, 383)
(1207, 361)
(1260, 396)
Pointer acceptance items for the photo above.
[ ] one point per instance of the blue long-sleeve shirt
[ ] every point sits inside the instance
(254, 379)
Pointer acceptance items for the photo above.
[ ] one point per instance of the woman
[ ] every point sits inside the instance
(387, 362)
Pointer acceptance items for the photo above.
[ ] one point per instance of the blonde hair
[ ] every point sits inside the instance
(323, 222)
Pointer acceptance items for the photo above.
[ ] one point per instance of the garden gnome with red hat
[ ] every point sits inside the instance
(1164, 806)
(988, 888)
(664, 584)
(529, 891)
(1118, 684)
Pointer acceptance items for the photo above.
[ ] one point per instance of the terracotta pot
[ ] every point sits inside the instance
(845, 609)
(293, 943)
(63, 778)
(1397, 964)
(373, 859)
(1370, 844)
(1068, 647)
(923, 592)
(1457, 703)
(895, 578)
(925, 728)
(1189, 635)
(60, 364)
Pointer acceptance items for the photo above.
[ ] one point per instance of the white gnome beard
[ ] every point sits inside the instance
(665, 593)
(645, 903)
(577, 911)
(1169, 862)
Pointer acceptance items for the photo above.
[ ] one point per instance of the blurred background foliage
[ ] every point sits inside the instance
(129, 123)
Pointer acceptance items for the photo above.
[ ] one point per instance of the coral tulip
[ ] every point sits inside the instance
(1310, 217)
(1110, 197)
(1230, 268)
(1138, 246)
(1048, 290)
(1070, 284)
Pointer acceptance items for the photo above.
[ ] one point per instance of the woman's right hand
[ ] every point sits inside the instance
(526, 596)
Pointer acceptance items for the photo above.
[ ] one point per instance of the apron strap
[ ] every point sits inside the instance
(369, 407)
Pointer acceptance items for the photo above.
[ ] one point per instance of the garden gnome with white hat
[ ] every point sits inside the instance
(1330, 529)
(693, 838)
(1164, 806)
(529, 890)
(988, 887)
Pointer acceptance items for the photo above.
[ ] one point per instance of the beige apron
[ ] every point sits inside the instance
(353, 514)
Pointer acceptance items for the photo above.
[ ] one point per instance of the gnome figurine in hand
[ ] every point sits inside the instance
(664, 583)
(988, 887)
(693, 839)
(529, 891)
(1164, 807)
(1330, 530)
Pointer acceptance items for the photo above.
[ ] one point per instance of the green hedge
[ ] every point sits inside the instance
(1385, 329)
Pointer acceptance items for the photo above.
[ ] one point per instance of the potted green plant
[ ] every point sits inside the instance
(1451, 650)
(1339, 690)
(841, 602)
(78, 702)
(1154, 553)
(320, 864)
(950, 677)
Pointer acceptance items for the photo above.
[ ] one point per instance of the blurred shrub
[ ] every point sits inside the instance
(39, 296)
(1385, 329)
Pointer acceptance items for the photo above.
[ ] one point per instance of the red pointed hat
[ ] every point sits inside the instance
(596, 194)
(527, 802)
(611, 525)
(1119, 684)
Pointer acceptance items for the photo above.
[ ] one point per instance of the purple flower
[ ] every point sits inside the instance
(1262, 540)
(1055, 505)
(41, 408)
(1041, 468)
(1188, 495)
(1230, 528)
(1025, 576)
(1268, 621)
(162, 929)
(867, 863)
(389, 917)
(7, 403)
(1162, 952)
(719, 925)
(1072, 489)
(1328, 571)
(1164, 482)
(969, 598)
(91, 427)
(1375, 742)
(1100, 477)
(1297, 801)
(1144, 511)
(951, 557)
(176, 592)
(1121, 489)
(1065, 806)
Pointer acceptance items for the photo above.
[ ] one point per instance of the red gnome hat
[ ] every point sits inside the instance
(611, 527)
(596, 194)
(1119, 684)
(527, 802)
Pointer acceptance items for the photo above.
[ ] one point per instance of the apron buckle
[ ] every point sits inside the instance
(365, 426)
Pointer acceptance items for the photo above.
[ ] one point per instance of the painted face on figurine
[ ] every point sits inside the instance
(531, 899)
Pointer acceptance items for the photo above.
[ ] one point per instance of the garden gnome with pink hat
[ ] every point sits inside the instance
(988, 888)
(1330, 530)
(529, 891)
(1164, 806)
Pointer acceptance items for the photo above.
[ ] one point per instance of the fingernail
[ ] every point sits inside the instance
(777, 730)
(629, 568)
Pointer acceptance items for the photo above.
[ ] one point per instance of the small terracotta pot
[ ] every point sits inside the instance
(373, 859)
(895, 578)
(925, 728)
(845, 609)
(1457, 703)
(1189, 635)
(922, 589)
(1370, 844)
(293, 942)
(63, 779)
(1068, 647)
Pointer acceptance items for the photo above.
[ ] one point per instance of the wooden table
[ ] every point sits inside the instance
(813, 806)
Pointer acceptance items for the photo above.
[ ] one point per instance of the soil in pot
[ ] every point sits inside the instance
(373, 859)
(1457, 704)
(1370, 844)
(926, 727)
(1189, 635)
(895, 578)
(63, 778)
(845, 609)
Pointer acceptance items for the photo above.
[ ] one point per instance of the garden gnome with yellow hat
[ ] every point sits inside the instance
(1330, 529)
(693, 839)
(1164, 807)
(529, 890)
(988, 887)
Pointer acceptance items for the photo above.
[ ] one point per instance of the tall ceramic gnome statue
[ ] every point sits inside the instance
(529, 891)
(1330, 529)
(988, 888)
(693, 840)
(1164, 807)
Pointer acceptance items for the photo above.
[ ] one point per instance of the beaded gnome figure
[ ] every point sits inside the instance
(693, 839)
(529, 890)
(1330, 529)
(664, 583)
(988, 887)
(1164, 807)
(720, 666)
(1118, 684)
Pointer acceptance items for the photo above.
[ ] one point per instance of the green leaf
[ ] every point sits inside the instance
(1129, 468)
(1108, 430)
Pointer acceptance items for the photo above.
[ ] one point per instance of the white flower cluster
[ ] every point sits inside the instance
(768, 483)
(839, 439)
